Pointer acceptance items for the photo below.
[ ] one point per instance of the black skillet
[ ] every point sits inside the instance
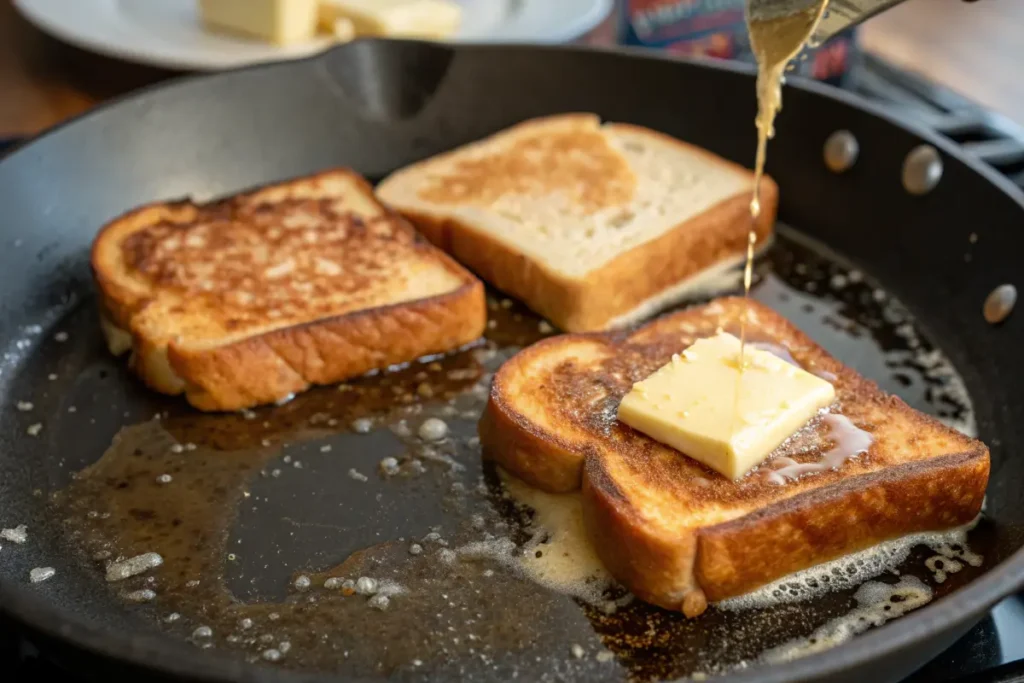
(376, 106)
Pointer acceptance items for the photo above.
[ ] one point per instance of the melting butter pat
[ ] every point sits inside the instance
(691, 404)
(283, 22)
(395, 18)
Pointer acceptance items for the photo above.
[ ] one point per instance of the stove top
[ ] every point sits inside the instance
(993, 651)
(988, 136)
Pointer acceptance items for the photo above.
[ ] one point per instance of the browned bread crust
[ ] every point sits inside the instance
(625, 289)
(619, 287)
(224, 324)
(678, 534)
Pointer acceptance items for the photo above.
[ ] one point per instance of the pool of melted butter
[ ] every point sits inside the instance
(267, 520)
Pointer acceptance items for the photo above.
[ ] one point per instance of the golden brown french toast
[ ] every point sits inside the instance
(252, 298)
(594, 226)
(677, 533)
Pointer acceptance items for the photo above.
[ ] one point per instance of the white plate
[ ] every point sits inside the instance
(167, 33)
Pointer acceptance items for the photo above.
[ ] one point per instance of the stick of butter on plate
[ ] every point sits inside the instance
(691, 403)
(282, 22)
(394, 18)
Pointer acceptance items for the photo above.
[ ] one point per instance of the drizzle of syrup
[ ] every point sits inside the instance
(777, 34)
(849, 439)
(777, 350)
(780, 351)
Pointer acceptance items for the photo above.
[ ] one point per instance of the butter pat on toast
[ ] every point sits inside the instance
(281, 22)
(593, 226)
(253, 298)
(700, 404)
(677, 533)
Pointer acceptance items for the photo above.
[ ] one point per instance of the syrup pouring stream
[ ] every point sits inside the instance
(778, 29)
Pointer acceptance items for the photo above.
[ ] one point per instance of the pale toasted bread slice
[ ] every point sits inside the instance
(592, 226)
(678, 534)
(252, 298)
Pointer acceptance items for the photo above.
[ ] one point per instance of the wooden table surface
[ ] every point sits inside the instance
(977, 49)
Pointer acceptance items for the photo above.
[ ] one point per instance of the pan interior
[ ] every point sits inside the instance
(261, 517)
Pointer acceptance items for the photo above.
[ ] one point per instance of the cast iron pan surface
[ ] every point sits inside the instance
(260, 503)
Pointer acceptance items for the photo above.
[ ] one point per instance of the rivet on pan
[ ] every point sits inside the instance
(922, 170)
(999, 304)
(841, 150)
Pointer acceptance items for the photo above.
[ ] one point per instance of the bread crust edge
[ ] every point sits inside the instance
(615, 289)
(816, 526)
(272, 365)
(541, 458)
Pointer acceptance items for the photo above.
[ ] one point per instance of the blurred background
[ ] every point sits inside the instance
(974, 49)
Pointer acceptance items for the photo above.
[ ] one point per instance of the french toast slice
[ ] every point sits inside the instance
(678, 534)
(593, 226)
(250, 299)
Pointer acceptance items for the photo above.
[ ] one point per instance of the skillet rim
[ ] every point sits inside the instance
(159, 654)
